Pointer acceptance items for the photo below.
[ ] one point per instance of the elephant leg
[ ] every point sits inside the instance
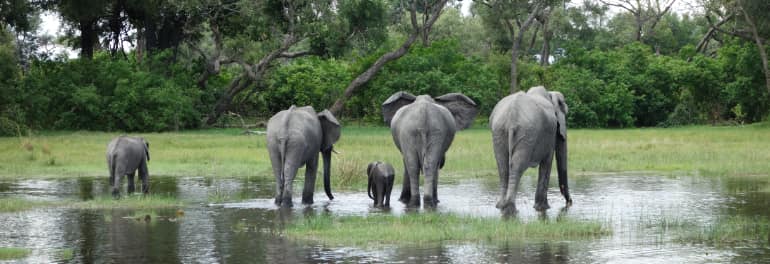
(517, 167)
(289, 172)
(388, 189)
(430, 168)
(544, 174)
(379, 193)
(116, 181)
(275, 161)
(311, 170)
(131, 180)
(500, 145)
(144, 175)
(406, 189)
(412, 165)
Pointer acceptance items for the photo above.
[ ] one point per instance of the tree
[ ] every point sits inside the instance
(432, 11)
(646, 13)
(751, 24)
(515, 17)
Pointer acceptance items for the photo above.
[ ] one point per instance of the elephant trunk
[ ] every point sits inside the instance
(327, 156)
(561, 168)
(369, 185)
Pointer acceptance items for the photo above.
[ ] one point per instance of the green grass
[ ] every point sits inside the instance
(13, 253)
(434, 227)
(18, 204)
(710, 151)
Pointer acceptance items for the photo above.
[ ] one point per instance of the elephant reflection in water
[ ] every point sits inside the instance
(141, 238)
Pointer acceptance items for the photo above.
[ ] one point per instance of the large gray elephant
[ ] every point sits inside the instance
(423, 129)
(527, 128)
(126, 155)
(294, 138)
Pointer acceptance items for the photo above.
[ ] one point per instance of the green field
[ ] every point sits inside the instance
(710, 151)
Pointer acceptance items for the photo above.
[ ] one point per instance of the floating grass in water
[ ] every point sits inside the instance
(433, 227)
(731, 229)
(129, 202)
(18, 204)
(13, 253)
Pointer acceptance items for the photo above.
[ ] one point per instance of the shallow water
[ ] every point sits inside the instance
(235, 221)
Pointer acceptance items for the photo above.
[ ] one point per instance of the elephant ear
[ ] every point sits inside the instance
(395, 102)
(331, 129)
(146, 149)
(463, 109)
(557, 99)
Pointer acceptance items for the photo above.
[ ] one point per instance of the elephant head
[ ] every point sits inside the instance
(331, 133)
(560, 105)
(463, 109)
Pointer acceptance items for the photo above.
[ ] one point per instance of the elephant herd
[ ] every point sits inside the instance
(528, 129)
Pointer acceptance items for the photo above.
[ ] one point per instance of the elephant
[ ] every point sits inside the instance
(423, 129)
(381, 176)
(294, 138)
(527, 128)
(126, 155)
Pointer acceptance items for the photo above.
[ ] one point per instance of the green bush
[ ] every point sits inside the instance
(108, 94)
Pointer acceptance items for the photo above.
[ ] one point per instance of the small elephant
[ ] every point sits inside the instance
(527, 129)
(423, 129)
(126, 155)
(294, 138)
(381, 176)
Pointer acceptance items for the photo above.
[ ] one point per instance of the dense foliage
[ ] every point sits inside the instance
(204, 58)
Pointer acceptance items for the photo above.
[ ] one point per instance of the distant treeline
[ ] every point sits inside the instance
(609, 78)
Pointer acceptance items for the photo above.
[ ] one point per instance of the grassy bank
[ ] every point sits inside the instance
(731, 151)
(433, 227)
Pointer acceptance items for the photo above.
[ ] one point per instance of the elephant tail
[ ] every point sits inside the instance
(282, 152)
(369, 188)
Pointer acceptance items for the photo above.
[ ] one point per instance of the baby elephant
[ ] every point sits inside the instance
(124, 156)
(381, 176)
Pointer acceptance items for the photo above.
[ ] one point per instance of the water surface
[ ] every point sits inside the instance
(235, 221)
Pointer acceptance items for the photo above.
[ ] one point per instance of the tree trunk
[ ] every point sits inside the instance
(546, 52)
(372, 71)
(760, 46)
(517, 44)
(514, 67)
(223, 104)
(639, 25)
(88, 38)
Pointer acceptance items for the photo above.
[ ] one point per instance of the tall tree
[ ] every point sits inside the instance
(431, 12)
(515, 17)
(84, 15)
